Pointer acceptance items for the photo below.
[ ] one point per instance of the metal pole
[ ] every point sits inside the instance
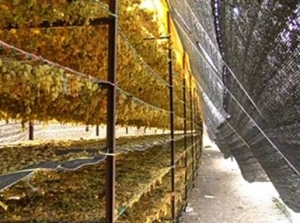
(199, 125)
(192, 131)
(31, 130)
(195, 126)
(197, 154)
(111, 113)
(97, 130)
(184, 129)
(199, 128)
(171, 88)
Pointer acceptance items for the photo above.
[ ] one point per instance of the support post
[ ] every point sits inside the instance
(199, 126)
(195, 126)
(97, 130)
(192, 132)
(111, 113)
(31, 130)
(184, 131)
(197, 148)
(171, 88)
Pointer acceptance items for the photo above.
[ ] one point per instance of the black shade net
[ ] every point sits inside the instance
(246, 58)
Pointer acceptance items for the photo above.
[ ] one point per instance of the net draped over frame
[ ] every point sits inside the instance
(246, 57)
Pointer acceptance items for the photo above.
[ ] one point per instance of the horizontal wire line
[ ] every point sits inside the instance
(141, 192)
(142, 101)
(234, 76)
(59, 167)
(84, 75)
(148, 66)
(103, 81)
(211, 42)
(96, 80)
(139, 57)
(163, 173)
(105, 8)
(42, 59)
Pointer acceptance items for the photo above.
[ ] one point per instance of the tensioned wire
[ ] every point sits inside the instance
(234, 76)
(60, 167)
(243, 89)
(160, 175)
(94, 79)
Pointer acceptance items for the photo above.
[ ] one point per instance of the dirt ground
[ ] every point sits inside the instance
(221, 195)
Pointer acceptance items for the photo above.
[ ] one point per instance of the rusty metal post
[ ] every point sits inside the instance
(31, 130)
(197, 148)
(184, 129)
(192, 131)
(97, 130)
(198, 125)
(111, 113)
(172, 116)
(195, 126)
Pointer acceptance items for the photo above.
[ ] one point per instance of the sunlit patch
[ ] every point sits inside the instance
(260, 192)
(236, 10)
(148, 4)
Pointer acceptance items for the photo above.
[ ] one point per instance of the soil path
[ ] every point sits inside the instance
(221, 195)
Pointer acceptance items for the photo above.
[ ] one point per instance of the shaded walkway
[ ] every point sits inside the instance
(221, 195)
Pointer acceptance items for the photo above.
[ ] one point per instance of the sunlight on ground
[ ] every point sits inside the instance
(260, 191)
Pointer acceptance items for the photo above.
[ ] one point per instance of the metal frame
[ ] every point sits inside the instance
(193, 106)
(198, 127)
(31, 130)
(111, 114)
(97, 130)
(111, 21)
(192, 129)
(59, 23)
(184, 128)
(172, 118)
(197, 152)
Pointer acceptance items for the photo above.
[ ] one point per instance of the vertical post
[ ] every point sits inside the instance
(111, 113)
(184, 129)
(97, 130)
(192, 131)
(31, 130)
(171, 88)
(195, 127)
(199, 127)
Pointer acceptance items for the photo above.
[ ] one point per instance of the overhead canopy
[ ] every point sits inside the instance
(245, 56)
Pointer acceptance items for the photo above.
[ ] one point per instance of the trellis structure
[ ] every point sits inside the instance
(192, 132)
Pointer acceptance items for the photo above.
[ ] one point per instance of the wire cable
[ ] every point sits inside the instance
(140, 58)
(94, 79)
(259, 128)
(234, 76)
